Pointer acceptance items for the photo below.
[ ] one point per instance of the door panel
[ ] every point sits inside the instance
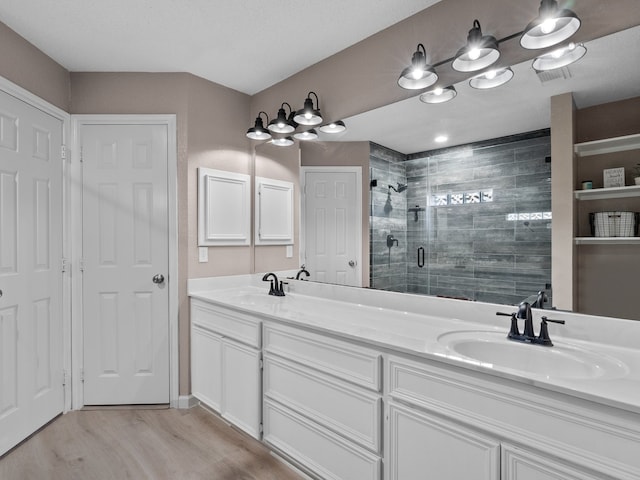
(31, 374)
(125, 244)
(332, 229)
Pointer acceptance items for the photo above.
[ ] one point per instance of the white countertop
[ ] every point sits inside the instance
(417, 325)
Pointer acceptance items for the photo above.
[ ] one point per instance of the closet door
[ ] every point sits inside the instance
(31, 373)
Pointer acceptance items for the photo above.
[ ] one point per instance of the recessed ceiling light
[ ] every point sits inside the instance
(441, 138)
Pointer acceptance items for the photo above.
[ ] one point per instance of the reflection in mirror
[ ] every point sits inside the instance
(480, 225)
(476, 213)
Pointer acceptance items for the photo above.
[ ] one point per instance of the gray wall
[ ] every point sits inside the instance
(472, 250)
(388, 216)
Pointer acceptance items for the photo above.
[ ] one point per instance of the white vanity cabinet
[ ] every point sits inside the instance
(322, 402)
(225, 364)
(457, 424)
(421, 445)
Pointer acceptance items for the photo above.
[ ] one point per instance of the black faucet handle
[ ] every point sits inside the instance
(545, 320)
(543, 338)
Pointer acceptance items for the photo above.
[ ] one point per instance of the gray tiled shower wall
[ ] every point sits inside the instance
(472, 250)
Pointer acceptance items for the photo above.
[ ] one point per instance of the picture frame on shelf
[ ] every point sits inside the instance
(613, 177)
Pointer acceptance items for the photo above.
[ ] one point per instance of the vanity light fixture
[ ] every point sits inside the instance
(419, 74)
(282, 124)
(560, 58)
(480, 51)
(492, 78)
(282, 141)
(308, 115)
(310, 134)
(550, 27)
(258, 132)
(439, 95)
(333, 127)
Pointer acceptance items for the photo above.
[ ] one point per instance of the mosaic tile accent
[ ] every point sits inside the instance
(472, 197)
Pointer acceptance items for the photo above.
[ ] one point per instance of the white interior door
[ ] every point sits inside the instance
(125, 252)
(333, 226)
(31, 333)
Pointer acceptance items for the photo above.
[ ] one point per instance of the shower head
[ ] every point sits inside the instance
(401, 188)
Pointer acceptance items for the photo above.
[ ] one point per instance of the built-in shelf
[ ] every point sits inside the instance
(612, 192)
(608, 145)
(607, 240)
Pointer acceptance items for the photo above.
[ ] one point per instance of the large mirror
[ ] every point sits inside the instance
(416, 196)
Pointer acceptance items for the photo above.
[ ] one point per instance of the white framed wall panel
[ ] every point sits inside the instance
(273, 212)
(224, 208)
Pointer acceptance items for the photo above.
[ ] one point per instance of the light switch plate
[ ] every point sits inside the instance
(203, 254)
(289, 251)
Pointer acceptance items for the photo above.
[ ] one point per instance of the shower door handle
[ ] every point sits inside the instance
(420, 257)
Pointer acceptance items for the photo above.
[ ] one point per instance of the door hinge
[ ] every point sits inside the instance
(81, 264)
(261, 364)
(63, 152)
(82, 375)
(81, 154)
(65, 376)
(65, 264)
(260, 428)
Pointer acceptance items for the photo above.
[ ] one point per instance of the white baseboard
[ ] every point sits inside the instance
(187, 401)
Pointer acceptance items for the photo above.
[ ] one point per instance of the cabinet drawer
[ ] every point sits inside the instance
(344, 360)
(346, 409)
(226, 322)
(318, 449)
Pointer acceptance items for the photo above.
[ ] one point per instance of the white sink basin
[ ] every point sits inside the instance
(494, 350)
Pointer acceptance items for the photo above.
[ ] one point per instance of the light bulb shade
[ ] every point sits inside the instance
(480, 51)
(258, 132)
(281, 124)
(550, 27)
(491, 79)
(308, 115)
(419, 74)
(282, 141)
(439, 95)
(334, 127)
(310, 134)
(560, 58)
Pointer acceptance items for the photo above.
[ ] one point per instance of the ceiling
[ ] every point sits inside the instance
(246, 45)
(603, 75)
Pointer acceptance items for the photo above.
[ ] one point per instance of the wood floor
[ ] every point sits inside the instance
(141, 444)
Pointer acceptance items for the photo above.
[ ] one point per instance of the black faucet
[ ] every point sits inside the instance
(276, 287)
(528, 336)
(301, 271)
(540, 300)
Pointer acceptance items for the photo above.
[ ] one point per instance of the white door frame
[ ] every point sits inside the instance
(41, 104)
(303, 205)
(76, 227)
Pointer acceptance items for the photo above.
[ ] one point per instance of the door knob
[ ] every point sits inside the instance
(159, 278)
(352, 263)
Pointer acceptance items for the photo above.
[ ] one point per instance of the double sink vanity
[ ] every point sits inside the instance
(357, 384)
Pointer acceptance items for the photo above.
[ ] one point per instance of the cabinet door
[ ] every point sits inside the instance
(206, 371)
(424, 446)
(241, 386)
(519, 464)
